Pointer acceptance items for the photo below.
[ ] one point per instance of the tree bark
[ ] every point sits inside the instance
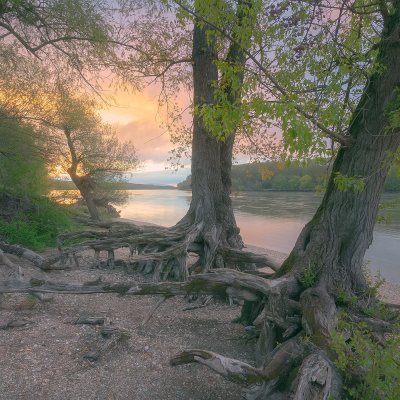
(212, 158)
(83, 183)
(333, 244)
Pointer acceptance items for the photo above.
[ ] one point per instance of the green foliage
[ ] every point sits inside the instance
(309, 276)
(272, 176)
(392, 183)
(22, 169)
(394, 112)
(38, 226)
(344, 299)
(370, 370)
(344, 182)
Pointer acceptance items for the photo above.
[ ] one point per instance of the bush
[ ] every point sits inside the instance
(37, 227)
(371, 371)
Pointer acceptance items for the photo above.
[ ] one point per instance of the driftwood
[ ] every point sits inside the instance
(154, 309)
(35, 258)
(233, 370)
(15, 323)
(109, 338)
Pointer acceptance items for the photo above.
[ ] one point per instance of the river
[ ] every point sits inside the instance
(271, 220)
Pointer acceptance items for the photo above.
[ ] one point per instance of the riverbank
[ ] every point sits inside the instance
(389, 292)
(47, 352)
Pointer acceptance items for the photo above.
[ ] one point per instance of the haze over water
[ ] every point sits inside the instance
(271, 220)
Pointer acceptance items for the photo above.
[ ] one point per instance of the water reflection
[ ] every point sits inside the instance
(161, 207)
(270, 219)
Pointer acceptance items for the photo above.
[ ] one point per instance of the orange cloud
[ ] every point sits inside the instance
(137, 117)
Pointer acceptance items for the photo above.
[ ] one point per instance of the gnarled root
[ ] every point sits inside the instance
(164, 252)
(294, 347)
(318, 379)
(300, 367)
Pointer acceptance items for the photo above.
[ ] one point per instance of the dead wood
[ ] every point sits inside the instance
(154, 309)
(205, 302)
(15, 323)
(35, 258)
(318, 379)
(90, 321)
(109, 338)
(232, 370)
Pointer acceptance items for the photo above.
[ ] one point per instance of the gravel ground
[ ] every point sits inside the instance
(46, 358)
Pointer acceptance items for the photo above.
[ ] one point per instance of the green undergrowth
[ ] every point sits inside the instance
(371, 371)
(37, 227)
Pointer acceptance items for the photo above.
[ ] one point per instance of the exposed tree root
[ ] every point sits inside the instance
(294, 353)
(162, 252)
(5, 261)
(317, 379)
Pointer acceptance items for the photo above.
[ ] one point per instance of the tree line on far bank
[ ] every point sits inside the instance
(278, 176)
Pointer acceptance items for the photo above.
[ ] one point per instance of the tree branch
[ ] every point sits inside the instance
(343, 140)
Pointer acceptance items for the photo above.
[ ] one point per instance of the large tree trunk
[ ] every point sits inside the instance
(209, 228)
(294, 350)
(211, 165)
(211, 158)
(333, 244)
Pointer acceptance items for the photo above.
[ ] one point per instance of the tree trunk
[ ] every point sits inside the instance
(211, 164)
(328, 255)
(209, 228)
(84, 186)
(332, 245)
(212, 158)
(83, 183)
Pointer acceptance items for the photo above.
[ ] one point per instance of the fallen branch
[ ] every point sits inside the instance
(35, 258)
(151, 313)
(15, 323)
(232, 370)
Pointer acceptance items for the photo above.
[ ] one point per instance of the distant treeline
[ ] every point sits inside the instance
(278, 176)
(57, 184)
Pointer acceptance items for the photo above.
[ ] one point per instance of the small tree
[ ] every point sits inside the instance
(85, 148)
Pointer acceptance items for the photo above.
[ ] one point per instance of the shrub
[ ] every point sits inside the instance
(37, 227)
(370, 370)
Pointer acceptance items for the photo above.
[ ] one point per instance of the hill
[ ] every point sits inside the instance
(278, 176)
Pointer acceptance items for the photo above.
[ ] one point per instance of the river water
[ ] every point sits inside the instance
(271, 220)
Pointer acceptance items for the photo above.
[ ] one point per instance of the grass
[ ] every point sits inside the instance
(38, 227)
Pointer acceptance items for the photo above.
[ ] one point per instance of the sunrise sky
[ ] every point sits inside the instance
(137, 118)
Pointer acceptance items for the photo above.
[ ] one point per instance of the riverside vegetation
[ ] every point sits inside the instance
(325, 74)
